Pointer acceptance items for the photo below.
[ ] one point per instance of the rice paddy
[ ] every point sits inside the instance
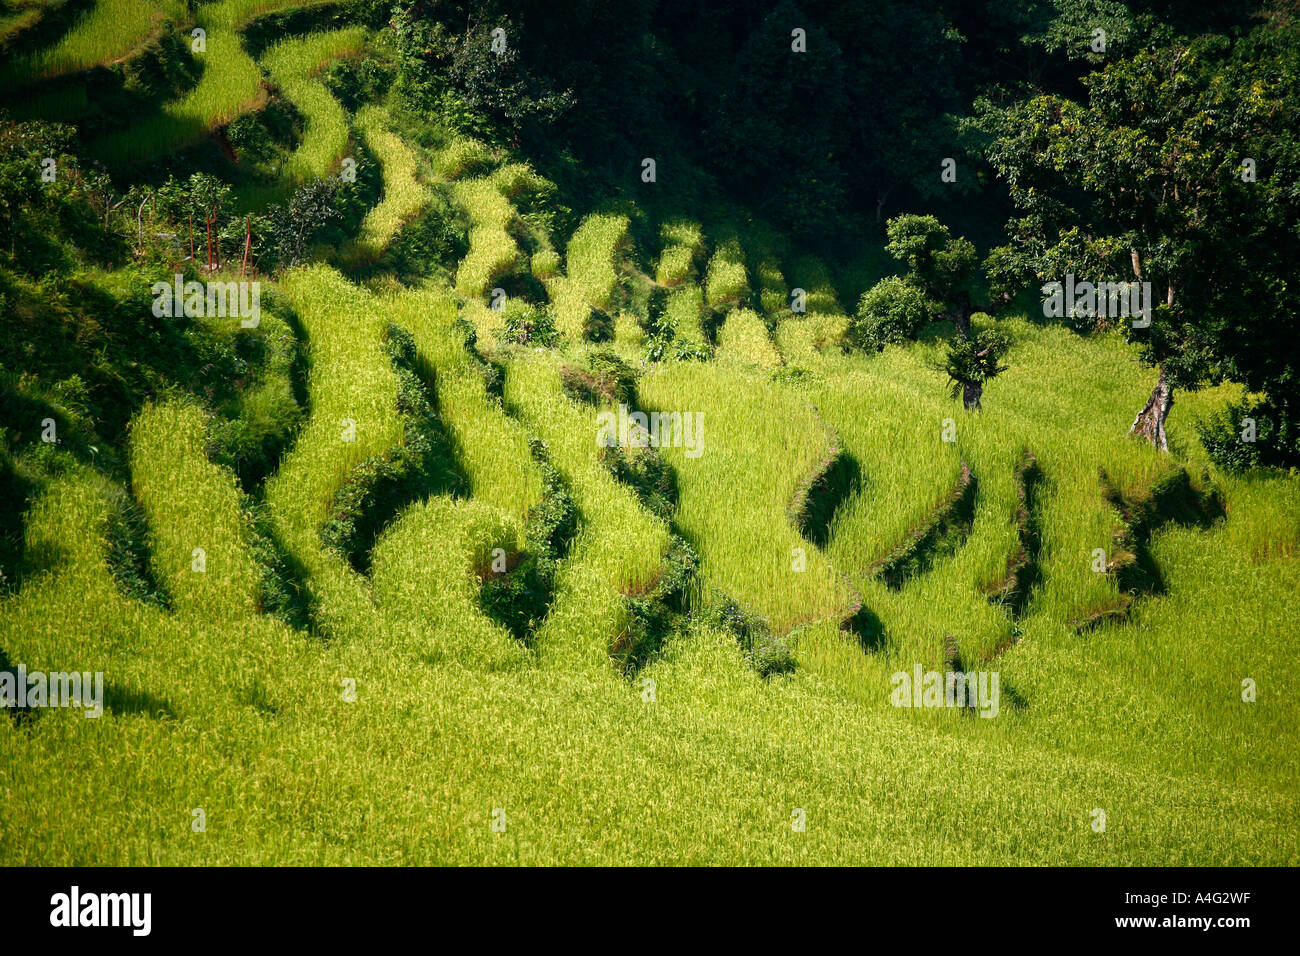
(843, 500)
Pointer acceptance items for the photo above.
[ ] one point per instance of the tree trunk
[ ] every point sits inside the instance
(1150, 422)
(970, 395)
(961, 317)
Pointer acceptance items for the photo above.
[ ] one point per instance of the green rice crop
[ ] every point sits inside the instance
(592, 277)
(619, 544)
(293, 63)
(743, 338)
(197, 531)
(404, 195)
(354, 416)
(107, 31)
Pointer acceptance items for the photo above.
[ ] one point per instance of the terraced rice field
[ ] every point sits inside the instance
(837, 504)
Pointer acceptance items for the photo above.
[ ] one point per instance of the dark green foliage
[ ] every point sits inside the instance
(889, 313)
(653, 616)
(262, 138)
(252, 429)
(767, 653)
(598, 326)
(520, 597)
(646, 472)
(608, 380)
(282, 589)
(44, 224)
(1145, 179)
(293, 226)
(972, 361)
(433, 242)
(16, 491)
(456, 73)
(528, 324)
(127, 552)
(1223, 434)
(939, 265)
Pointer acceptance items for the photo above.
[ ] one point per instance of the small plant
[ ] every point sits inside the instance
(609, 381)
(528, 324)
(973, 361)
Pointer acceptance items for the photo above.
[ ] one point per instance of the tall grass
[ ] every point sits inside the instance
(491, 447)
(404, 195)
(591, 275)
(736, 496)
(619, 543)
(293, 63)
(107, 31)
(231, 84)
(197, 531)
(353, 400)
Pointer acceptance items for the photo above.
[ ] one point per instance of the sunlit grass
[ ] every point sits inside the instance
(293, 63)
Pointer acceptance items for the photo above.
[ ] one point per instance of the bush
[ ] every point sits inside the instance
(1224, 436)
(890, 312)
(610, 380)
(528, 324)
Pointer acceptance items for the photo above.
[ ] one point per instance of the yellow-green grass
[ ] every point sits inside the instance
(293, 63)
(461, 155)
(237, 14)
(231, 84)
(404, 195)
(586, 771)
(802, 337)
(619, 544)
(352, 390)
(71, 616)
(683, 244)
(726, 283)
(736, 495)
(491, 448)
(493, 252)
(685, 311)
(1142, 718)
(591, 272)
(427, 569)
(198, 535)
(743, 339)
(109, 30)
(1074, 424)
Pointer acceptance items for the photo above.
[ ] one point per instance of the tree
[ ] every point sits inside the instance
(890, 312)
(1149, 181)
(938, 265)
(972, 361)
(293, 225)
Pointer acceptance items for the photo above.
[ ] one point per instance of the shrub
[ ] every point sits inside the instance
(890, 312)
(610, 381)
(526, 324)
(1224, 436)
